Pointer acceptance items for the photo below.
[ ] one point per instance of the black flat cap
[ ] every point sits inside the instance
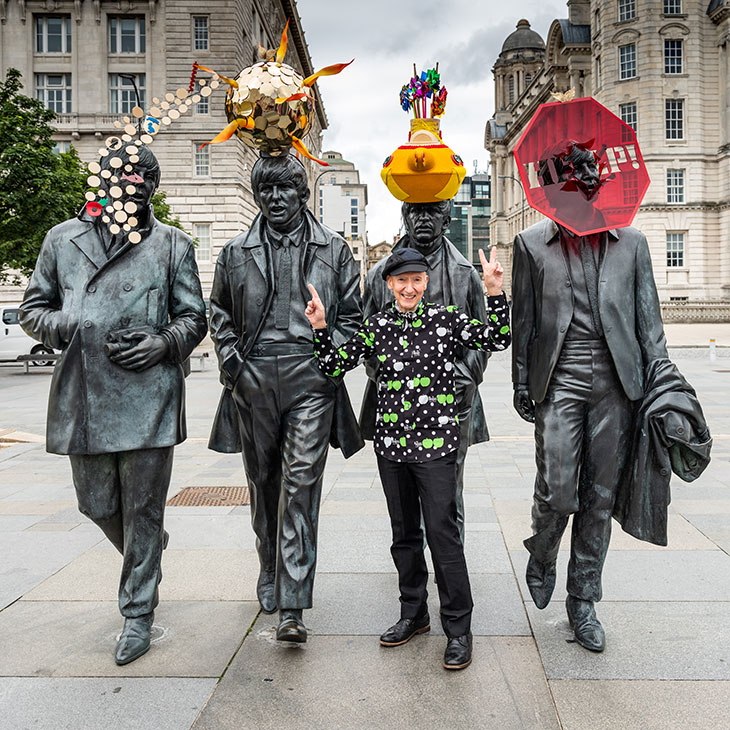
(405, 259)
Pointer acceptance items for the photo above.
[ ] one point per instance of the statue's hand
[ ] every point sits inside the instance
(524, 405)
(315, 310)
(150, 350)
(492, 272)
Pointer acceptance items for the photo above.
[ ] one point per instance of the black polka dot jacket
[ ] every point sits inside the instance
(416, 416)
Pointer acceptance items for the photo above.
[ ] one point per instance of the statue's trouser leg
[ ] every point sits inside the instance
(607, 443)
(285, 409)
(128, 488)
(427, 488)
(465, 390)
(578, 429)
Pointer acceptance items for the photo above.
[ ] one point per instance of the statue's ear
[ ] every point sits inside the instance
(304, 195)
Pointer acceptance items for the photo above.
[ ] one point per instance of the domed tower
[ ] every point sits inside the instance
(521, 58)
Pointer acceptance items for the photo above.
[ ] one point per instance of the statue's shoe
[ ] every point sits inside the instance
(265, 590)
(540, 579)
(587, 628)
(291, 627)
(135, 638)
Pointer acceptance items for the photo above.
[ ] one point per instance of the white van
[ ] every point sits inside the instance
(14, 342)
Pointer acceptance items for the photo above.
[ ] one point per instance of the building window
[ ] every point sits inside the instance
(598, 72)
(200, 32)
(528, 79)
(675, 186)
(511, 87)
(597, 21)
(201, 160)
(674, 118)
(60, 147)
(628, 114)
(333, 180)
(672, 57)
(675, 250)
(53, 34)
(122, 96)
(126, 34)
(54, 90)
(201, 232)
(203, 106)
(627, 61)
(626, 9)
(672, 7)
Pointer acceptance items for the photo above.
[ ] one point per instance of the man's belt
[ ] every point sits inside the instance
(282, 348)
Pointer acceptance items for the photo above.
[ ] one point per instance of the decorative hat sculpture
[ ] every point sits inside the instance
(269, 105)
(424, 169)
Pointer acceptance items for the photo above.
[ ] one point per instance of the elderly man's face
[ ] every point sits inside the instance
(425, 223)
(281, 203)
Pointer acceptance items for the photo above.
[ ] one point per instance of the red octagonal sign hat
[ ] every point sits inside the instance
(552, 155)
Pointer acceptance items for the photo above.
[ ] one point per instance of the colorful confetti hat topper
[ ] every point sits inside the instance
(269, 105)
(424, 170)
(562, 138)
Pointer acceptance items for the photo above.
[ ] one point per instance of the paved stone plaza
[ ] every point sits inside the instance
(214, 663)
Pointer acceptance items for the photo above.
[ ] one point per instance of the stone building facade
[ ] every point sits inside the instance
(341, 200)
(470, 217)
(81, 56)
(663, 66)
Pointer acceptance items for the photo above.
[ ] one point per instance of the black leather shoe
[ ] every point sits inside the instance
(540, 581)
(265, 590)
(135, 639)
(291, 627)
(458, 652)
(587, 628)
(405, 630)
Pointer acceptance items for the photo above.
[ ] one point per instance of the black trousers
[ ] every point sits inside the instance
(285, 406)
(412, 489)
(582, 441)
(124, 494)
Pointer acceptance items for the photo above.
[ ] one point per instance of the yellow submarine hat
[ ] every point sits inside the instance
(424, 169)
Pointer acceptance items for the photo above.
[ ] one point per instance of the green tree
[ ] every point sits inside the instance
(38, 188)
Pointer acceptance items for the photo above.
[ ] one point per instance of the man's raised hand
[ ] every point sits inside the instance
(492, 272)
(315, 310)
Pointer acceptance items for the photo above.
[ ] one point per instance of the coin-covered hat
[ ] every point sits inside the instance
(269, 105)
(424, 169)
(403, 260)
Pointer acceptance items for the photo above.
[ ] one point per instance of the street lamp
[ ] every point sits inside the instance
(132, 80)
(519, 182)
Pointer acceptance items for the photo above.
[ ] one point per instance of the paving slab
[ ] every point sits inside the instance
(189, 575)
(77, 639)
(642, 705)
(203, 532)
(648, 575)
(335, 683)
(35, 556)
(91, 703)
(367, 604)
(652, 640)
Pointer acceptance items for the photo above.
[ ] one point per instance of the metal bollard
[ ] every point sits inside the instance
(713, 350)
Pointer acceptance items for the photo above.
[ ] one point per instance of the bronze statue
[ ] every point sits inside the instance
(451, 280)
(277, 407)
(586, 326)
(126, 316)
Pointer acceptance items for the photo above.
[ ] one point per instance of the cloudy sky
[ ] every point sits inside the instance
(386, 37)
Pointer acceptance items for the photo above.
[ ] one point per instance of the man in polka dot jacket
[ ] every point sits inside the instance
(417, 433)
